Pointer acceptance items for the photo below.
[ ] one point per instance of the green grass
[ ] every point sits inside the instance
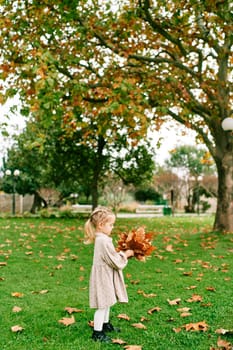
(48, 255)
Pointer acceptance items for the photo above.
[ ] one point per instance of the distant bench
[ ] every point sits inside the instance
(82, 208)
(153, 209)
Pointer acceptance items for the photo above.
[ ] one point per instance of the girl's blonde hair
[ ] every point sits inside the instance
(99, 215)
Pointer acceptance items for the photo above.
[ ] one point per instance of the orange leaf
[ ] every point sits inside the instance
(91, 324)
(137, 240)
(118, 341)
(194, 298)
(67, 321)
(16, 329)
(16, 309)
(185, 314)
(169, 248)
(184, 309)
(17, 295)
(124, 317)
(154, 309)
(199, 326)
(71, 310)
(224, 344)
(139, 325)
(211, 289)
(174, 302)
(223, 331)
(177, 330)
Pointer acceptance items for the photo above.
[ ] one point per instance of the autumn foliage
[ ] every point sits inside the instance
(137, 240)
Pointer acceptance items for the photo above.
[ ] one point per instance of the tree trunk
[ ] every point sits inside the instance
(224, 213)
(38, 202)
(99, 163)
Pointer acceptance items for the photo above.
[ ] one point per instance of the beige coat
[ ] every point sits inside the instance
(106, 281)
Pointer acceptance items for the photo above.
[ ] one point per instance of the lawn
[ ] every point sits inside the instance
(178, 298)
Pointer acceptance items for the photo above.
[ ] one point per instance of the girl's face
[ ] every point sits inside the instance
(107, 226)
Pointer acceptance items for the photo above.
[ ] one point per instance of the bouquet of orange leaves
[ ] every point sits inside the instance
(138, 241)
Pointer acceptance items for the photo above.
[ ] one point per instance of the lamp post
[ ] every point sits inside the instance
(227, 124)
(199, 179)
(14, 175)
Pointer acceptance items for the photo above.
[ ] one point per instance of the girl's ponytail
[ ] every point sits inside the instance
(89, 236)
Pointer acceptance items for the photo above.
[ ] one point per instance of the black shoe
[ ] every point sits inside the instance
(101, 336)
(108, 327)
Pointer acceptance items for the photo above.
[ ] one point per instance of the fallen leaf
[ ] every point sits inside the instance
(71, 310)
(137, 240)
(16, 329)
(191, 287)
(133, 347)
(124, 317)
(199, 326)
(151, 295)
(185, 314)
(194, 298)
(67, 321)
(184, 309)
(187, 273)
(224, 344)
(139, 325)
(91, 324)
(17, 295)
(174, 302)
(169, 248)
(16, 309)
(223, 331)
(3, 263)
(211, 289)
(177, 330)
(43, 291)
(118, 341)
(154, 309)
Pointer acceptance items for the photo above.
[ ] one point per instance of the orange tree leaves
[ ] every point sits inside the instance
(137, 240)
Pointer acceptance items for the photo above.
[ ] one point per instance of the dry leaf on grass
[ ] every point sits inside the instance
(139, 325)
(174, 301)
(154, 309)
(67, 321)
(124, 317)
(16, 309)
(137, 240)
(133, 347)
(17, 295)
(72, 310)
(195, 298)
(43, 291)
(199, 326)
(224, 331)
(118, 341)
(17, 329)
(225, 345)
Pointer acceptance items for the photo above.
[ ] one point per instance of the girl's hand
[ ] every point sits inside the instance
(129, 253)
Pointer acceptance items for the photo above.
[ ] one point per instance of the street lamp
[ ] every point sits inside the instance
(14, 175)
(199, 179)
(227, 124)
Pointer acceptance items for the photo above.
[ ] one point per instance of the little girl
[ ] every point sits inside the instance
(106, 280)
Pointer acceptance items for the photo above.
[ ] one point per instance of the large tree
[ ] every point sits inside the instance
(90, 61)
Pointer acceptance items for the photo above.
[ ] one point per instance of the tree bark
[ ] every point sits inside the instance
(97, 171)
(224, 213)
(38, 202)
